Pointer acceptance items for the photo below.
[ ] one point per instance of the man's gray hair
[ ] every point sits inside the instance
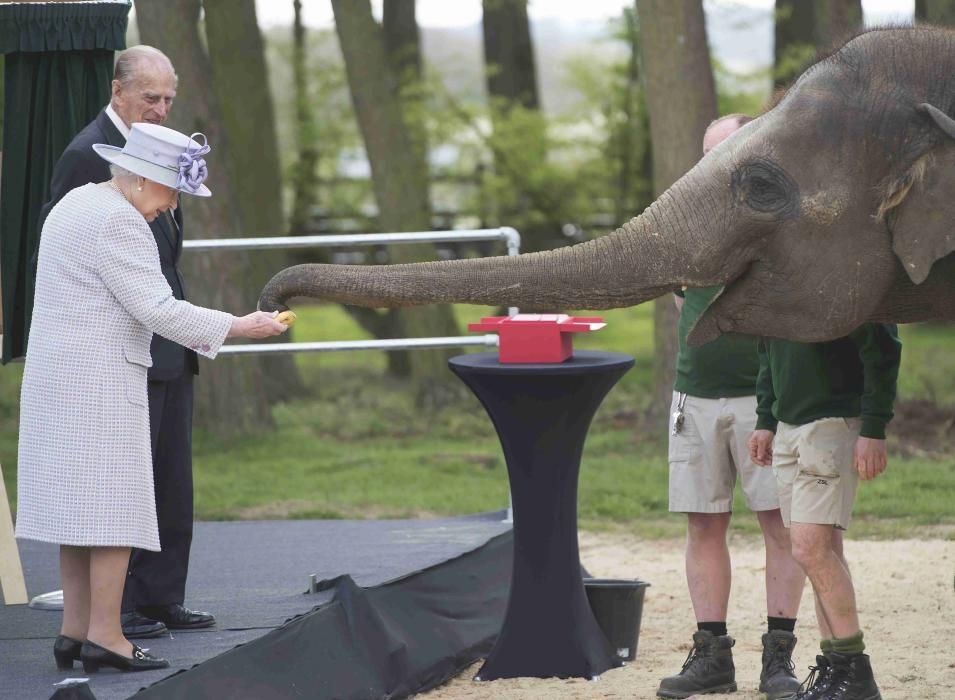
(129, 61)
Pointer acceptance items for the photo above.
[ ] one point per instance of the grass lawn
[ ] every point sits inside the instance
(358, 447)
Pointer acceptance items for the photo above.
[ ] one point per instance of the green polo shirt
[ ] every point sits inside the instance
(850, 377)
(722, 368)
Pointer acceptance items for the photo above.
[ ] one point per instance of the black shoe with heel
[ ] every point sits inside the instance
(95, 657)
(66, 650)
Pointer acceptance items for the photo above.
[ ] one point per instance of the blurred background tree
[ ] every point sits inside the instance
(224, 402)
(399, 170)
(437, 129)
(941, 12)
(804, 28)
(681, 95)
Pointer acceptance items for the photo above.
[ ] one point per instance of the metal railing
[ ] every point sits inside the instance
(505, 233)
(509, 235)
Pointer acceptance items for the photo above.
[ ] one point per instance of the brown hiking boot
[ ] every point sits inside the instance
(708, 668)
(816, 685)
(778, 678)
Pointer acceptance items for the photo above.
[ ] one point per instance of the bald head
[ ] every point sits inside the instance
(144, 85)
(720, 129)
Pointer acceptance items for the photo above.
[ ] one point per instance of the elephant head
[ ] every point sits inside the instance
(828, 210)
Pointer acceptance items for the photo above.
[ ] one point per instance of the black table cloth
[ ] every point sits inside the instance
(542, 413)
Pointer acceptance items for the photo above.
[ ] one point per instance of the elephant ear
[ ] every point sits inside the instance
(923, 223)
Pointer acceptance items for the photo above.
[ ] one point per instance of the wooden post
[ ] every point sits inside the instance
(11, 572)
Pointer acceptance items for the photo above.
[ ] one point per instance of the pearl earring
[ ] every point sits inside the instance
(140, 188)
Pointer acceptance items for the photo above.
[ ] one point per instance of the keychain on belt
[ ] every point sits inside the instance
(678, 414)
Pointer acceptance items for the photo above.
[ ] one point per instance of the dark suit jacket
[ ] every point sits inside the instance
(80, 165)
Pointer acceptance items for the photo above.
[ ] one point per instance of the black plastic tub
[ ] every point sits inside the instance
(617, 605)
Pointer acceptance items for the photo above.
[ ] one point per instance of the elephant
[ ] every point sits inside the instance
(832, 208)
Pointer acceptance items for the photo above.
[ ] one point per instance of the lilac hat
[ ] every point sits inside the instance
(162, 155)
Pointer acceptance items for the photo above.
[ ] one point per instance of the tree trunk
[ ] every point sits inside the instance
(838, 21)
(514, 104)
(305, 183)
(681, 99)
(940, 12)
(399, 176)
(509, 53)
(402, 41)
(630, 145)
(241, 85)
(403, 50)
(795, 39)
(305, 172)
(230, 394)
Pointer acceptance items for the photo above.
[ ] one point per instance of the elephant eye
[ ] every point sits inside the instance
(765, 187)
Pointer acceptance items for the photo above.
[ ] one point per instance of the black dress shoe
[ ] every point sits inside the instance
(178, 617)
(135, 626)
(66, 650)
(95, 657)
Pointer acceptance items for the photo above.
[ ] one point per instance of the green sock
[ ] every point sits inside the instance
(826, 646)
(849, 645)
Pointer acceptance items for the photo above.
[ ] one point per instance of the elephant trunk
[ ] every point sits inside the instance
(657, 252)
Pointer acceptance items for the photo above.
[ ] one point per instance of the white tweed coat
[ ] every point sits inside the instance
(84, 472)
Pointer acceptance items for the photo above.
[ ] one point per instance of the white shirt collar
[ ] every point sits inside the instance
(117, 122)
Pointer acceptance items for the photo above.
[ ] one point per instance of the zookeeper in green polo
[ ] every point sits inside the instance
(822, 412)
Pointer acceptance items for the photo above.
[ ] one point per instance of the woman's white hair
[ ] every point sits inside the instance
(119, 171)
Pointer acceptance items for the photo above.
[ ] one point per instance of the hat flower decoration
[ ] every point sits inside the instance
(192, 166)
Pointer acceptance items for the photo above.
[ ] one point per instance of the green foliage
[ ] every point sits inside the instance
(578, 174)
(534, 186)
(928, 363)
(792, 62)
(10, 377)
(618, 125)
(334, 131)
(740, 93)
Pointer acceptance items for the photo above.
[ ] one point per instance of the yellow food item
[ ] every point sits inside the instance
(287, 317)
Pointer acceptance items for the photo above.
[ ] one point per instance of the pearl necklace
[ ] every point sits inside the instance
(115, 186)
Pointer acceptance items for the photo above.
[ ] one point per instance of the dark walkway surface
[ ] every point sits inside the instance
(252, 575)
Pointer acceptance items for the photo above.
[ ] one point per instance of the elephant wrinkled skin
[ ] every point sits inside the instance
(833, 208)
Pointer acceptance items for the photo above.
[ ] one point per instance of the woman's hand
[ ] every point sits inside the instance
(258, 324)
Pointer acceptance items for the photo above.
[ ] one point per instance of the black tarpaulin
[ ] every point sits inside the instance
(390, 641)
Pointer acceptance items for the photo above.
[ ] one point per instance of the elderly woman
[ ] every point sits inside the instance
(84, 471)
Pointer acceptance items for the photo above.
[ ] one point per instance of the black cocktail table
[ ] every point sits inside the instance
(542, 413)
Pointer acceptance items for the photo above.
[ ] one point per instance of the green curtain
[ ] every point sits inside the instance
(58, 63)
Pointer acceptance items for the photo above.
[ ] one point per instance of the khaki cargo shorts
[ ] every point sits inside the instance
(710, 451)
(815, 471)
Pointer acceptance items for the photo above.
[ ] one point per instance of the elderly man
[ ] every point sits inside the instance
(822, 413)
(714, 411)
(143, 90)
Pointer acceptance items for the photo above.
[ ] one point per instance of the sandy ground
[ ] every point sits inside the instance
(905, 596)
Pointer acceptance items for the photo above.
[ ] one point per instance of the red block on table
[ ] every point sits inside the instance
(533, 338)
